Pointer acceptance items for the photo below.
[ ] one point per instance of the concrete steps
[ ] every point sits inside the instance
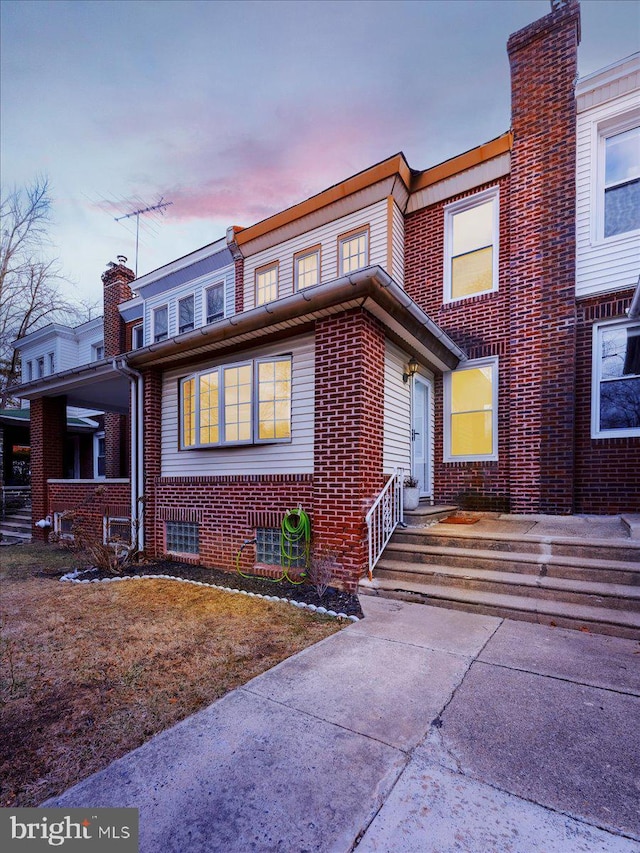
(562, 580)
(16, 525)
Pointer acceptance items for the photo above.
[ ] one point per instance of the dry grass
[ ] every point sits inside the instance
(89, 672)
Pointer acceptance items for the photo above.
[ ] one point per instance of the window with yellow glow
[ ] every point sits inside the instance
(471, 250)
(470, 401)
(307, 271)
(267, 285)
(274, 400)
(243, 403)
(354, 252)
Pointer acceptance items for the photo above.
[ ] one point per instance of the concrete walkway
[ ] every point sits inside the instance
(415, 730)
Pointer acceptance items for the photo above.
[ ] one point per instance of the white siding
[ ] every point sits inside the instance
(196, 287)
(375, 216)
(68, 354)
(293, 458)
(397, 411)
(601, 264)
(397, 224)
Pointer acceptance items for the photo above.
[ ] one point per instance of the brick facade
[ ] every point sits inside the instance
(607, 469)
(92, 501)
(48, 428)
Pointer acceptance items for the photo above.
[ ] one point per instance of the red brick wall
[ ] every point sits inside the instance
(117, 441)
(348, 439)
(607, 470)
(480, 325)
(48, 429)
(91, 502)
(543, 59)
(228, 509)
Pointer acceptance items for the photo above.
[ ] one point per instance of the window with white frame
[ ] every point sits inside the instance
(244, 403)
(99, 455)
(160, 323)
(137, 336)
(52, 362)
(307, 269)
(471, 246)
(353, 251)
(214, 302)
(97, 352)
(63, 525)
(615, 399)
(29, 371)
(186, 313)
(621, 152)
(116, 530)
(471, 412)
(40, 367)
(267, 284)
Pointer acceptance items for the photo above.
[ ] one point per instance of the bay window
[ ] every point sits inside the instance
(244, 403)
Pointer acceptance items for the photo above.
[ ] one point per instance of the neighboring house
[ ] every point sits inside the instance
(402, 319)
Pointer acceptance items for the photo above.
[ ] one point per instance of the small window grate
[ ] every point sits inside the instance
(182, 537)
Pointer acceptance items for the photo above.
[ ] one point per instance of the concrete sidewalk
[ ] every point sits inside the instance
(416, 729)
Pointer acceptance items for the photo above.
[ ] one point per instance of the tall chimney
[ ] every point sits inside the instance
(116, 282)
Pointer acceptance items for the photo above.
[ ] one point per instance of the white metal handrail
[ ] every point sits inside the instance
(384, 516)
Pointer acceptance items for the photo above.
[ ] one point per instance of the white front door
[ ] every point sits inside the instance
(420, 434)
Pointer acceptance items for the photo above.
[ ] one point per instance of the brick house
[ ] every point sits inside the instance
(425, 321)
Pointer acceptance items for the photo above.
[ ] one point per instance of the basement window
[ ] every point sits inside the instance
(182, 537)
(116, 530)
(63, 525)
(268, 549)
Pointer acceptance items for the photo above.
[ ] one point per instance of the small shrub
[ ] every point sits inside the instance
(321, 571)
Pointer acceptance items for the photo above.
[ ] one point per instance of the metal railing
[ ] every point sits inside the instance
(384, 516)
(13, 498)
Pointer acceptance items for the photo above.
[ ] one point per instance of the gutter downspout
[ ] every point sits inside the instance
(633, 311)
(137, 447)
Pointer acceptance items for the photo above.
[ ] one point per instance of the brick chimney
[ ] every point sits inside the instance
(543, 58)
(116, 281)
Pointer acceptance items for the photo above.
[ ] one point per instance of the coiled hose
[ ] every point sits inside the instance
(294, 528)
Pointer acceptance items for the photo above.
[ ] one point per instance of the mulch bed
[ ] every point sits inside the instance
(333, 599)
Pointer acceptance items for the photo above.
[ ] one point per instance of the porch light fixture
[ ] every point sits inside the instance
(412, 369)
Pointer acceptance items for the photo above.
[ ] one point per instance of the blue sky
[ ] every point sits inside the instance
(234, 110)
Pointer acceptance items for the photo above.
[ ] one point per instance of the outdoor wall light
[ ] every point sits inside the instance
(412, 369)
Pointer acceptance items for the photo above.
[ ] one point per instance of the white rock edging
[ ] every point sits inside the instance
(75, 577)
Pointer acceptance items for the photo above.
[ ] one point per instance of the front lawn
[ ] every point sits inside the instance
(89, 672)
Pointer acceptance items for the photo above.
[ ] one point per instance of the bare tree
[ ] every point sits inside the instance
(29, 281)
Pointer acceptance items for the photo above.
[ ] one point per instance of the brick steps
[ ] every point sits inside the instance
(17, 525)
(560, 580)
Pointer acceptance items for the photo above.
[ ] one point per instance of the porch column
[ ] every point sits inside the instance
(349, 428)
(48, 429)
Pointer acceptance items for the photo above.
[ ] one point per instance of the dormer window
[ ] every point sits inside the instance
(160, 323)
(52, 362)
(307, 269)
(353, 251)
(186, 310)
(214, 302)
(40, 367)
(97, 352)
(267, 284)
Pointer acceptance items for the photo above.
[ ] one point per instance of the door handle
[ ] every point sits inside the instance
(414, 433)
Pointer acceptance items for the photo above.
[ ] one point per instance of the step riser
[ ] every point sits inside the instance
(519, 564)
(613, 602)
(558, 621)
(521, 546)
(17, 528)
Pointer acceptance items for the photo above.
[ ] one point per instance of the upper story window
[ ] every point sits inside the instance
(471, 412)
(29, 371)
(622, 182)
(40, 367)
(615, 399)
(353, 251)
(52, 362)
(267, 284)
(471, 246)
(97, 352)
(137, 336)
(244, 403)
(214, 302)
(160, 323)
(186, 313)
(307, 269)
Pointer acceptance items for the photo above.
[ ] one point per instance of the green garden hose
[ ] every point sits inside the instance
(295, 527)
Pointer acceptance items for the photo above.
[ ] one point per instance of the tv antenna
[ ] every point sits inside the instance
(137, 213)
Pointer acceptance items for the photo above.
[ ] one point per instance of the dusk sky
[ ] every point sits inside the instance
(235, 110)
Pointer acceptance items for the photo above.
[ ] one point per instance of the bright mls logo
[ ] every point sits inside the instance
(102, 830)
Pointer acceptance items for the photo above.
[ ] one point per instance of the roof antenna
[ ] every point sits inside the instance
(137, 213)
